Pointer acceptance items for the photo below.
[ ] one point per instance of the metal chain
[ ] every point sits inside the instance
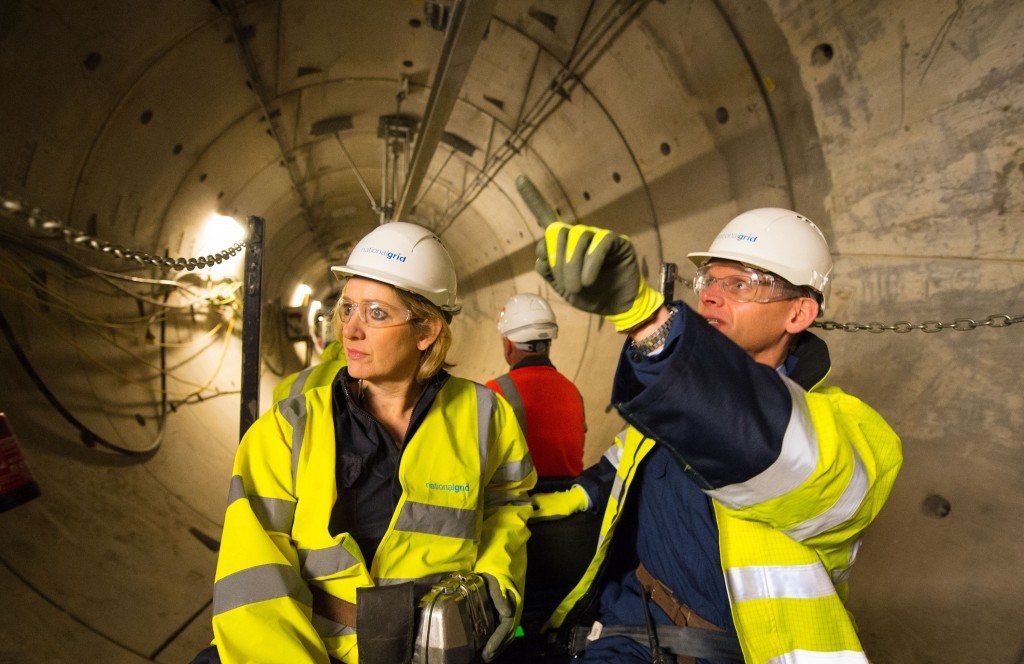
(37, 219)
(929, 326)
(902, 327)
(40, 220)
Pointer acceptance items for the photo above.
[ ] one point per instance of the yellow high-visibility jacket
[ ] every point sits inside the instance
(464, 474)
(788, 535)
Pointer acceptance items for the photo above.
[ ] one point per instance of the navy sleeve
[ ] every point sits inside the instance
(723, 414)
(597, 481)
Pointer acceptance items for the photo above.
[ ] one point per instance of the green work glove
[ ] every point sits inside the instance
(559, 504)
(596, 270)
(505, 606)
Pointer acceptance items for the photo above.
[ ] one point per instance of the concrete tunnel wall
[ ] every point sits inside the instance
(896, 126)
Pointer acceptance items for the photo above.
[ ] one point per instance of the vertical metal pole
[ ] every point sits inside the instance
(251, 304)
(668, 280)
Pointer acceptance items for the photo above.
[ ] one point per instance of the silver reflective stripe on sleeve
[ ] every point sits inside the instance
(318, 563)
(437, 520)
(507, 472)
(614, 452)
(300, 381)
(274, 514)
(618, 487)
(236, 489)
(513, 471)
(811, 657)
(796, 462)
(258, 584)
(843, 509)
(511, 394)
(486, 401)
(840, 576)
(294, 412)
(779, 582)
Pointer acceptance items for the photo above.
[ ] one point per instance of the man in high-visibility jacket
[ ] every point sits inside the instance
(547, 404)
(736, 500)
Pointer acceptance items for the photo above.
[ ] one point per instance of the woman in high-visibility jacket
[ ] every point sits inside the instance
(397, 472)
(735, 502)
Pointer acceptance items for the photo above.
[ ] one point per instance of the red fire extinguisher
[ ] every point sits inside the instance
(16, 484)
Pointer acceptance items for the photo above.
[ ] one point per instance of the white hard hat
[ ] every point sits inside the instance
(527, 317)
(779, 241)
(408, 257)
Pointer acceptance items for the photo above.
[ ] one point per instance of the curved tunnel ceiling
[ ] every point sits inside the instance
(895, 126)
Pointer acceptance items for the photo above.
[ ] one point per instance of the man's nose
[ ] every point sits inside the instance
(712, 292)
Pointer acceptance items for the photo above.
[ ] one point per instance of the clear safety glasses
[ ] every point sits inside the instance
(748, 285)
(375, 314)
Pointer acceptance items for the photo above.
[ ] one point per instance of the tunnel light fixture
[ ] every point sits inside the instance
(300, 296)
(220, 232)
(313, 315)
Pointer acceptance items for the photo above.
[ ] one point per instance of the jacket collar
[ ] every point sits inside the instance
(812, 361)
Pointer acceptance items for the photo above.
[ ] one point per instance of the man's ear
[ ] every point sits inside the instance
(506, 348)
(803, 313)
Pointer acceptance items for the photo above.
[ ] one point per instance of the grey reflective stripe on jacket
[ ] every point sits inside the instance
(293, 410)
(274, 514)
(257, 584)
(300, 381)
(513, 471)
(511, 394)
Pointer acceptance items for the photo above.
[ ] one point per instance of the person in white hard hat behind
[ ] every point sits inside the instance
(735, 502)
(350, 500)
(547, 404)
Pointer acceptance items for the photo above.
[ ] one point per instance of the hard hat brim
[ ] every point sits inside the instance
(432, 296)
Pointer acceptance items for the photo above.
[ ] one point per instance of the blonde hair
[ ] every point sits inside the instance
(435, 357)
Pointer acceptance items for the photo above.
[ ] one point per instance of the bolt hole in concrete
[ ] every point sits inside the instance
(92, 61)
(822, 54)
(936, 506)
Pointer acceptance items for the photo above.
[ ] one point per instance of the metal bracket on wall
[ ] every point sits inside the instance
(251, 325)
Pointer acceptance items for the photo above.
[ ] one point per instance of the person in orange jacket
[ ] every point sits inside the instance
(548, 405)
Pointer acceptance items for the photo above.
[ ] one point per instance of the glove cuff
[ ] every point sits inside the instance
(646, 303)
(580, 495)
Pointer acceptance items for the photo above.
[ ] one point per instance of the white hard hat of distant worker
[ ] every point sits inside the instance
(408, 257)
(779, 241)
(527, 317)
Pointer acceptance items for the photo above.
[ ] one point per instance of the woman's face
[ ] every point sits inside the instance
(388, 348)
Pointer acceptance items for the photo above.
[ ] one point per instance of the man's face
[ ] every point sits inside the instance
(762, 329)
